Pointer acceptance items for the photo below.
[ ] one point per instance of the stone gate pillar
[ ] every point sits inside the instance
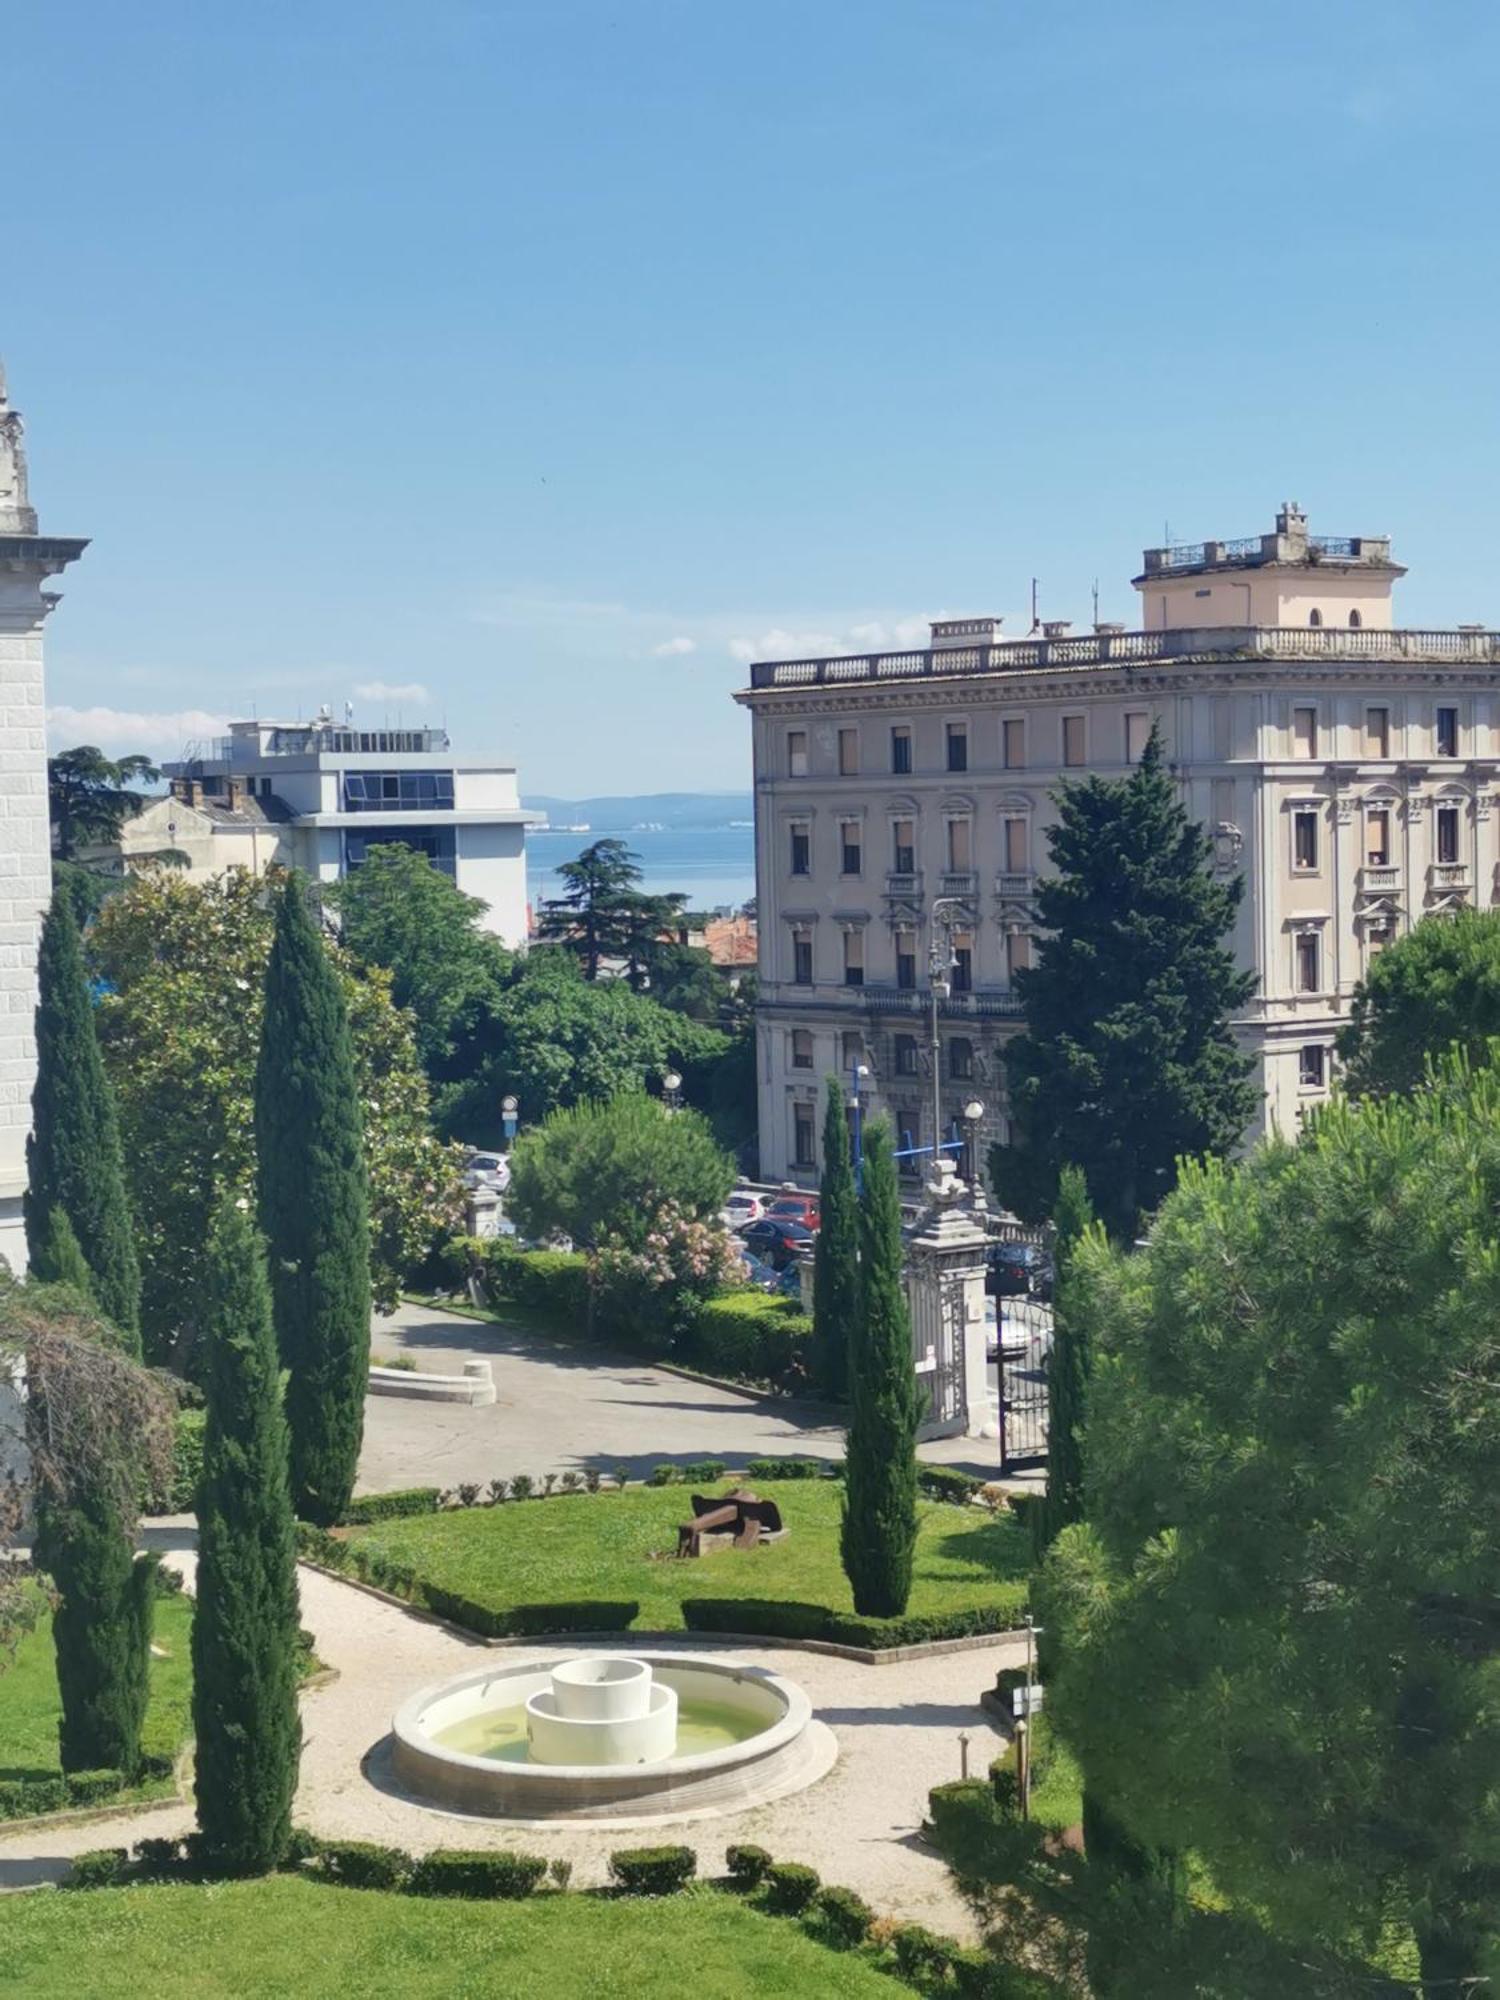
(946, 1256)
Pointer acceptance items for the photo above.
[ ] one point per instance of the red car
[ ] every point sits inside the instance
(801, 1208)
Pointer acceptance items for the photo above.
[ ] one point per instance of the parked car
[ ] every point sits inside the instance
(744, 1205)
(776, 1239)
(1019, 1270)
(491, 1170)
(801, 1208)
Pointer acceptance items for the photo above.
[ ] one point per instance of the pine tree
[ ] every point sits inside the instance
(101, 1630)
(313, 1210)
(1126, 1063)
(245, 1618)
(59, 1259)
(73, 1157)
(1068, 1367)
(836, 1256)
(880, 1476)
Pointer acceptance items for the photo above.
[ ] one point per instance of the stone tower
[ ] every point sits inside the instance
(27, 559)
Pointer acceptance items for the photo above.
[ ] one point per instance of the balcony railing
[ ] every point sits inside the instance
(1377, 875)
(1013, 884)
(956, 1006)
(903, 882)
(959, 882)
(1449, 875)
(1105, 649)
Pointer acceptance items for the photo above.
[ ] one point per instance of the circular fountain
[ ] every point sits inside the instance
(605, 1736)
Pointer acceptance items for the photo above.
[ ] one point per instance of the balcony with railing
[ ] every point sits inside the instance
(1379, 878)
(904, 882)
(958, 882)
(1016, 884)
(980, 1003)
(1448, 877)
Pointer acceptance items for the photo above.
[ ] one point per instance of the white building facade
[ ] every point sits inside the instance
(1350, 770)
(320, 795)
(27, 561)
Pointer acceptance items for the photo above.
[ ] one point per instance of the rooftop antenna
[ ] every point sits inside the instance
(1035, 620)
(1096, 600)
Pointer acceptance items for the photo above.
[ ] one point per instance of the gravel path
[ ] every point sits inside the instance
(897, 1729)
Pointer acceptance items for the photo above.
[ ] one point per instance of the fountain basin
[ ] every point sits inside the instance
(742, 1735)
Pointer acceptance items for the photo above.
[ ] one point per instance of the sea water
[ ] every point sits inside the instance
(500, 1733)
(711, 865)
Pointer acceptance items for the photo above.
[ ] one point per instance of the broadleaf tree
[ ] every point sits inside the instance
(1436, 987)
(1126, 1062)
(603, 1173)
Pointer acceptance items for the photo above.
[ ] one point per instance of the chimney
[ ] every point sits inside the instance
(235, 788)
(1106, 626)
(1056, 628)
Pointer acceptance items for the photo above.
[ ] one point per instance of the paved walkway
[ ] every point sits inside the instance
(897, 1729)
(561, 1407)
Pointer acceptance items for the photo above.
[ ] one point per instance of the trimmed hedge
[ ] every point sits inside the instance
(99, 1868)
(653, 1871)
(29, 1798)
(787, 1618)
(363, 1864)
(946, 1482)
(795, 1468)
(503, 1876)
(179, 1494)
(922, 1957)
(551, 1281)
(843, 1917)
(747, 1337)
(393, 1506)
(747, 1864)
(790, 1887)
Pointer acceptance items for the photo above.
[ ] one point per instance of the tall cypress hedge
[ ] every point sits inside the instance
(101, 1630)
(1069, 1366)
(314, 1209)
(245, 1618)
(836, 1257)
(73, 1157)
(880, 1474)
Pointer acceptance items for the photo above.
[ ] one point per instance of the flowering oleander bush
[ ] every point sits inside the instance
(653, 1289)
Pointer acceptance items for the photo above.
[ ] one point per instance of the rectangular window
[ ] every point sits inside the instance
(1447, 732)
(1304, 732)
(963, 962)
(851, 1049)
(960, 1059)
(1137, 733)
(854, 958)
(1306, 962)
(398, 791)
(906, 1055)
(1072, 739)
(1017, 847)
(960, 857)
(958, 746)
(802, 1048)
(801, 850)
(1304, 840)
(1378, 733)
(1013, 743)
(1378, 938)
(796, 753)
(851, 842)
(1447, 835)
(848, 752)
(901, 750)
(1378, 837)
(1017, 953)
(1312, 1065)
(802, 965)
(904, 846)
(906, 960)
(803, 1154)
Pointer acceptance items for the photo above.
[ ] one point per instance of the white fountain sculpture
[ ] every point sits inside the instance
(599, 1710)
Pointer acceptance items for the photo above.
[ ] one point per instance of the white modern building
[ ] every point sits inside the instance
(320, 795)
(1350, 768)
(27, 560)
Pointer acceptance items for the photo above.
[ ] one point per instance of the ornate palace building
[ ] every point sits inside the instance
(1349, 768)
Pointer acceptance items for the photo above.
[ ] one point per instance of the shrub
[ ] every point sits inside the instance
(569, 1483)
(663, 1475)
(302, 1845)
(520, 1486)
(498, 1490)
(181, 1490)
(702, 1472)
(746, 1336)
(549, 1480)
(516, 1621)
(593, 1479)
(559, 1872)
(922, 1958)
(468, 1492)
(20, 1798)
(160, 1857)
(787, 1618)
(790, 1887)
(843, 1917)
(653, 1871)
(747, 1865)
(166, 1582)
(99, 1868)
(391, 1506)
(363, 1864)
(91, 1788)
(464, 1872)
(946, 1482)
(795, 1468)
(555, 1282)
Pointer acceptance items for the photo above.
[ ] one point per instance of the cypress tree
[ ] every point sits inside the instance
(314, 1209)
(101, 1630)
(59, 1259)
(73, 1157)
(880, 1476)
(1068, 1367)
(836, 1255)
(245, 1618)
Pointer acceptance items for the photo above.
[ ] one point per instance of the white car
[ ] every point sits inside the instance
(742, 1206)
(489, 1170)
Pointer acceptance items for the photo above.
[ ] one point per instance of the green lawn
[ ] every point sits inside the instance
(265, 1940)
(29, 1703)
(620, 1546)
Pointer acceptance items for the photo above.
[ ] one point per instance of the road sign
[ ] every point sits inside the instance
(1026, 1700)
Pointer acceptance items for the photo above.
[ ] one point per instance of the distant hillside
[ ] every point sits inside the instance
(623, 813)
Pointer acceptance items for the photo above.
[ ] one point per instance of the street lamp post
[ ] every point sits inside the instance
(510, 1117)
(940, 985)
(671, 1090)
(973, 1113)
(858, 1073)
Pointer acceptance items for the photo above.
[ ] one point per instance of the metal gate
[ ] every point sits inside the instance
(1025, 1330)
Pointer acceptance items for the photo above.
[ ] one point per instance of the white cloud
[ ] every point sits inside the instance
(676, 648)
(158, 733)
(391, 691)
(779, 644)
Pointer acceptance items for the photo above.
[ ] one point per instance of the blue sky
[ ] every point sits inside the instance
(551, 360)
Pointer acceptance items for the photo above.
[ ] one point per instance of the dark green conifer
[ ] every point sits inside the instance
(836, 1257)
(314, 1209)
(245, 1618)
(59, 1258)
(73, 1158)
(101, 1630)
(1068, 1367)
(880, 1476)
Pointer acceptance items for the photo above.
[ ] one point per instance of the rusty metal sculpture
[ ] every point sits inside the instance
(741, 1515)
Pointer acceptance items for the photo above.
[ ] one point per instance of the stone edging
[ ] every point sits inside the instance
(867, 1656)
(107, 1808)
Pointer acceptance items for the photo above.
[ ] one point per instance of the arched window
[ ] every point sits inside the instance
(1314, 617)
(1355, 621)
